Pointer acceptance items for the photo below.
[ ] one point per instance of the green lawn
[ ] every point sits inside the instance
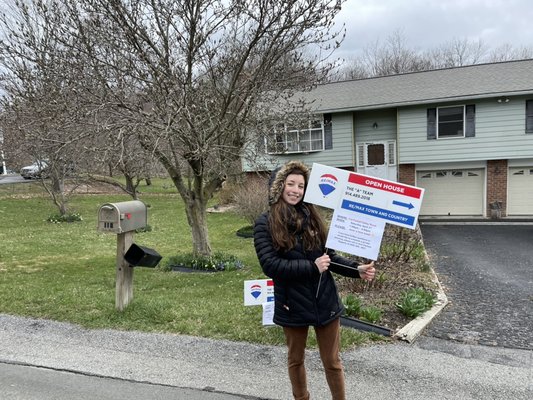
(66, 271)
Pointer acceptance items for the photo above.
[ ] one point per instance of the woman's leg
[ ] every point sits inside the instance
(296, 341)
(328, 338)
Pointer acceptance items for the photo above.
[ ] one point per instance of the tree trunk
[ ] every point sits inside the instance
(130, 186)
(196, 216)
(57, 191)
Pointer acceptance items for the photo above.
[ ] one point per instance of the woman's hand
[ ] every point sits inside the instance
(322, 263)
(367, 271)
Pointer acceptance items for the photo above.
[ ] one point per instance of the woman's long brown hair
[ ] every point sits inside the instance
(283, 216)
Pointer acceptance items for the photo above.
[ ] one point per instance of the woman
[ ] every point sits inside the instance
(289, 240)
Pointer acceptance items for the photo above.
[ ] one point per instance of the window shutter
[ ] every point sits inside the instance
(470, 123)
(328, 132)
(432, 123)
(529, 116)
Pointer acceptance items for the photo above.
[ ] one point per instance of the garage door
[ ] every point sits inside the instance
(520, 189)
(452, 192)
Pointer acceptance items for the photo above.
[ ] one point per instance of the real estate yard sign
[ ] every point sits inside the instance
(261, 292)
(362, 206)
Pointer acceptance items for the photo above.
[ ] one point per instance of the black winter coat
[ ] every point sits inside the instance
(296, 279)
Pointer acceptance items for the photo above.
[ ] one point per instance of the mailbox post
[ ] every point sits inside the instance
(124, 274)
(122, 218)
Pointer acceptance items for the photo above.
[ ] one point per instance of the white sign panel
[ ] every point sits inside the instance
(326, 186)
(355, 234)
(258, 291)
(268, 313)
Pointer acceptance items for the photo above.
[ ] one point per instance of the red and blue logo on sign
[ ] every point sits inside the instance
(327, 184)
(255, 290)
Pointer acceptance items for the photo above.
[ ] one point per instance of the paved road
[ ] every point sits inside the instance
(487, 273)
(24, 382)
(181, 365)
(14, 178)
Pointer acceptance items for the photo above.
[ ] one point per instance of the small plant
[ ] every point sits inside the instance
(58, 218)
(217, 262)
(424, 266)
(352, 306)
(371, 314)
(379, 280)
(415, 301)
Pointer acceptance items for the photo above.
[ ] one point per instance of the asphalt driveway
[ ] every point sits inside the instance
(487, 273)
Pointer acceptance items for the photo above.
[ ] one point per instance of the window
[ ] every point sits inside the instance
(288, 139)
(392, 153)
(451, 122)
(376, 154)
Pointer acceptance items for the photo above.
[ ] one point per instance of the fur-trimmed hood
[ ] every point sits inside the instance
(278, 176)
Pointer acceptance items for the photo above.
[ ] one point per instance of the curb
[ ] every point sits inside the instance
(414, 328)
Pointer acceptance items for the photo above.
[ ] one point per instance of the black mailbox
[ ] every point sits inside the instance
(140, 256)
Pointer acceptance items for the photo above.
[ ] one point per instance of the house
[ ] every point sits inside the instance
(464, 134)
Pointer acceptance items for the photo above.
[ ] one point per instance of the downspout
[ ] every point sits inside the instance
(354, 147)
(398, 146)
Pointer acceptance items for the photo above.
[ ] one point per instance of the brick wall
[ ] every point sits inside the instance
(497, 185)
(407, 174)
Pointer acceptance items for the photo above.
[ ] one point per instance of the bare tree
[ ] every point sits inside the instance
(351, 68)
(506, 52)
(40, 103)
(457, 52)
(194, 78)
(395, 57)
(385, 58)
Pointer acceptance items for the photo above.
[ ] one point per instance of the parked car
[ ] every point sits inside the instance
(37, 170)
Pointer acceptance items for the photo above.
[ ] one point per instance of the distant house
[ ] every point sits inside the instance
(464, 134)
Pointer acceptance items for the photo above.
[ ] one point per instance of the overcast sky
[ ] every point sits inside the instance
(426, 24)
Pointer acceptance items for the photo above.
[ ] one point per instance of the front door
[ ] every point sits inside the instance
(377, 159)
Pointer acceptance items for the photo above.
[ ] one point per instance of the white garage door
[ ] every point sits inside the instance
(452, 192)
(520, 189)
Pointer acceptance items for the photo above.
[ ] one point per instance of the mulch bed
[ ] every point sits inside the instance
(395, 274)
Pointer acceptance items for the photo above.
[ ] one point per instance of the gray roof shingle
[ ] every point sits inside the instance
(450, 84)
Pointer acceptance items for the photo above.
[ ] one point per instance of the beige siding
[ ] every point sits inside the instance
(500, 134)
(386, 125)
